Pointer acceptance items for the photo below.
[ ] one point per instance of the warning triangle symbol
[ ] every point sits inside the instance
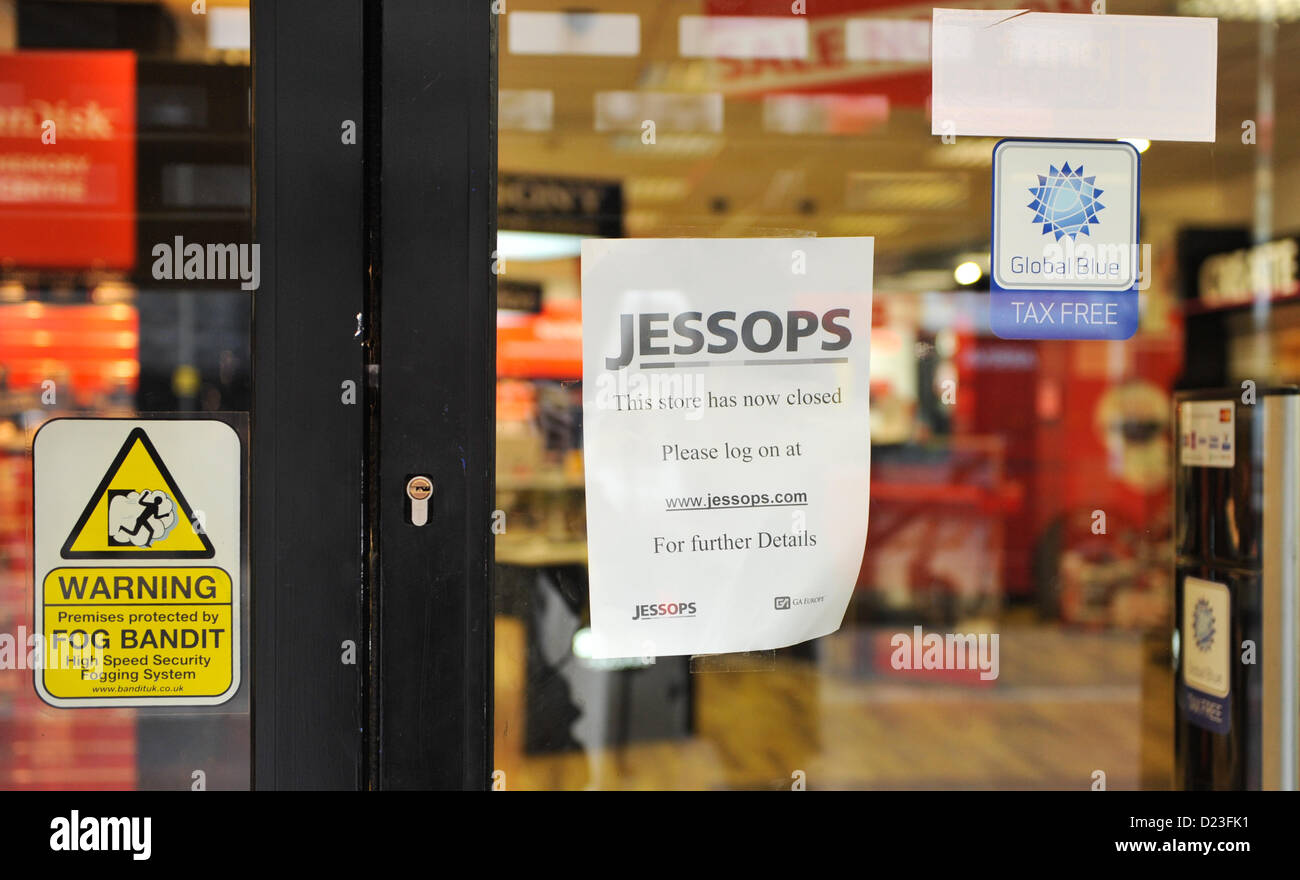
(137, 511)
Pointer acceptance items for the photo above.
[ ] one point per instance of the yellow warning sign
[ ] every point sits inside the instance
(138, 632)
(137, 511)
(138, 593)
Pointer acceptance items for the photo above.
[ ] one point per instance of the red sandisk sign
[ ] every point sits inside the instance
(67, 160)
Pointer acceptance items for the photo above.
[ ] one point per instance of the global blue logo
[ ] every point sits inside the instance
(1065, 202)
(1203, 625)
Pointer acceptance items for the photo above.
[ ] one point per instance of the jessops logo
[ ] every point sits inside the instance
(656, 334)
(1065, 202)
(663, 610)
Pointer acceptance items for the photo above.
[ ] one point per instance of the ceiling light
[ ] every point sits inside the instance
(512, 245)
(967, 273)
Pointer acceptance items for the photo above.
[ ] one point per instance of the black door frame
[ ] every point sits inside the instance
(437, 392)
(376, 271)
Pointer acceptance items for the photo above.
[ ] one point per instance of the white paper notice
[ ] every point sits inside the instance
(726, 432)
(1011, 73)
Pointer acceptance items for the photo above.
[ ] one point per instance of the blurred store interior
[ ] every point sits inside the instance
(989, 456)
(152, 141)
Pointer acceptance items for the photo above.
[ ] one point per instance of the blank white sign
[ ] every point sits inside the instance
(1012, 73)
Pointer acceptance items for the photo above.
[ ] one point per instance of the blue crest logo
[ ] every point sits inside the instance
(1065, 201)
(1203, 625)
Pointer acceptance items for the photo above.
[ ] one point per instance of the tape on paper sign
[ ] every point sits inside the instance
(1015, 73)
(1065, 258)
(726, 432)
(138, 561)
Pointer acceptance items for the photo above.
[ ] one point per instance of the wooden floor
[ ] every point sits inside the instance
(1065, 705)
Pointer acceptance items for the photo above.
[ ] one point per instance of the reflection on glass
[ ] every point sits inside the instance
(1021, 489)
(122, 127)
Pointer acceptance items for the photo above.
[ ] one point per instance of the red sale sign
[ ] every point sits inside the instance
(879, 48)
(67, 160)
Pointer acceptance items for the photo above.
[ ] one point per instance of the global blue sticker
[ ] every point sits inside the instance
(1065, 253)
(1205, 695)
(1206, 711)
(1065, 201)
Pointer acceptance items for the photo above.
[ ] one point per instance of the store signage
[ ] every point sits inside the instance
(876, 48)
(67, 160)
(1266, 271)
(727, 442)
(1065, 255)
(1206, 650)
(138, 561)
(573, 205)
